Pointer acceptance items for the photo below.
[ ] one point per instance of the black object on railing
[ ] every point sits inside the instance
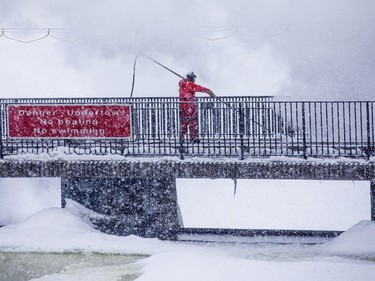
(240, 127)
(369, 148)
(304, 131)
(241, 131)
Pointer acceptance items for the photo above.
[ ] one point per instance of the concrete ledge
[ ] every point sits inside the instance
(257, 232)
(264, 169)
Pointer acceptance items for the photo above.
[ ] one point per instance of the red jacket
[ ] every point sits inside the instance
(188, 89)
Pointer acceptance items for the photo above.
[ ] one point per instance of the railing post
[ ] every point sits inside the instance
(368, 151)
(1, 129)
(242, 130)
(1, 147)
(304, 131)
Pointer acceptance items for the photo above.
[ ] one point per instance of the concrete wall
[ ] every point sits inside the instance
(141, 206)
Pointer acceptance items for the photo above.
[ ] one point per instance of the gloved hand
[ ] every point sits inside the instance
(211, 94)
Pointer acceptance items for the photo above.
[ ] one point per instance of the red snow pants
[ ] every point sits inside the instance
(189, 119)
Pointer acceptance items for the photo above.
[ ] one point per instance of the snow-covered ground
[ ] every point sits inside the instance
(351, 256)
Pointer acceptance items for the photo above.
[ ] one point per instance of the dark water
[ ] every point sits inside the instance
(26, 266)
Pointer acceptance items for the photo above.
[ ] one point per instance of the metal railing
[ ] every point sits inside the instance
(240, 127)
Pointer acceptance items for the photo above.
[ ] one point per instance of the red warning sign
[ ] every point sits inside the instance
(69, 121)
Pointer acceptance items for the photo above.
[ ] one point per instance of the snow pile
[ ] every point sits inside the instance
(69, 230)
(206, 266)
(81, 211)
(359, 240)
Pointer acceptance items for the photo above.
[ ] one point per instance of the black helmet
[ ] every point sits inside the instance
(191, 76)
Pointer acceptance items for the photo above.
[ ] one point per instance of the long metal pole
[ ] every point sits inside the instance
(170, 70)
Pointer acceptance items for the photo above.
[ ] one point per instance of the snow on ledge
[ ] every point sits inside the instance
(60, 155)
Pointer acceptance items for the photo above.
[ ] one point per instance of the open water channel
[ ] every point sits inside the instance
(121, 267)
(90, 266)
(70, 266)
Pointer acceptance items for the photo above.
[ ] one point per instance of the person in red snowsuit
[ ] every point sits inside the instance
(188, 107)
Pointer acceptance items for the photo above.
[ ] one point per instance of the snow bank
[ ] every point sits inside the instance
(359, 240)
(69, 230)
(206, 266)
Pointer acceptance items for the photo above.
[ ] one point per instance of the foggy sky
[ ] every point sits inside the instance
(317, 50)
